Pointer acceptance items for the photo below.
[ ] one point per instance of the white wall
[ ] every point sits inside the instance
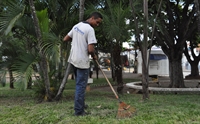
(156, 67)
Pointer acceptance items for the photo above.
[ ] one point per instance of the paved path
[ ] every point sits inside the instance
(164, 81)
(125, 75)
(128, 74)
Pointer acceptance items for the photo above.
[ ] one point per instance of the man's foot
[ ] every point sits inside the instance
(82, 114)
(86, 106)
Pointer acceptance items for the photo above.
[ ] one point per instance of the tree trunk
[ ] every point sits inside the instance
(96, 68)
(29, 86)
(11, 79)
(145, 68)
(118, 67)
(81, 10)
(198, 14)
(44, 68)
(176, 74)
(145, 81)
(43, 61)
(142, 45)
(112, 62)
(64, 81)
(193, 62)
(195, 69)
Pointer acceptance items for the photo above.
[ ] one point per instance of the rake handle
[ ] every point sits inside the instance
(107, 80)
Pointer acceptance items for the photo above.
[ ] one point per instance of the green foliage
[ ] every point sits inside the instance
(40, 92)
(51, 47)
(10, 49)
(115, 22)
(23, 68)
(43, 20)
(9, 17)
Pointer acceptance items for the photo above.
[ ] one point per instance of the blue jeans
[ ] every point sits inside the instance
(81, 77)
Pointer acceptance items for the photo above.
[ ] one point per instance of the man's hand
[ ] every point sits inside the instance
(67, 38)
(94, 57)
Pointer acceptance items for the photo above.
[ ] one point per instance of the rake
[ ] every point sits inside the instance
(124, 110)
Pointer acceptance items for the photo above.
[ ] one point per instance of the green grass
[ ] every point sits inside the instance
(20, 107)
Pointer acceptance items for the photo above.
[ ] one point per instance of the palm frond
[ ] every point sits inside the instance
(26, 23)
(8, 18)
(50, 42)
(23, 67)
(43, 20)
(51, 46)
(115, 25)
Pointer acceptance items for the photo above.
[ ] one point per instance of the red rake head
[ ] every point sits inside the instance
(125, 111)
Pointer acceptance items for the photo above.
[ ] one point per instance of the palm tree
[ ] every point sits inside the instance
(9, 48)
(43, 61)
(22, 28)
(116, 28)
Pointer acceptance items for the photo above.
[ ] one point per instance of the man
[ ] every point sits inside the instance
(83, 39)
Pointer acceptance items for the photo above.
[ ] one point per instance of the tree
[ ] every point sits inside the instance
(43, 61)
(194, 59)
(173, 28)
(142, 45)
(116, 30)
(19, 27)
(197, 9)
(9, 48)
(145, 68)
(141, 28)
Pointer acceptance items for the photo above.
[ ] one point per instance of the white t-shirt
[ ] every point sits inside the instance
(82, 35)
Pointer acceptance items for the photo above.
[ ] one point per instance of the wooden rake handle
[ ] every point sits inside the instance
(107, 80)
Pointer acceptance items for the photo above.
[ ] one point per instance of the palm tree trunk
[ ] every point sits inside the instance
(64, 81)
(118, 67)
(81, 10)
(43, 61)
(29, 86)
(11, 79)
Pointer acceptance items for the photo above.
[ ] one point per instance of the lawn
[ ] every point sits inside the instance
(21, 107)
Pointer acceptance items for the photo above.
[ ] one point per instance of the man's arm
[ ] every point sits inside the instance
(67, 38)
(91, 51)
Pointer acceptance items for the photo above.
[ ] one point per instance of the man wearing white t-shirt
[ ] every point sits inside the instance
(83, 39)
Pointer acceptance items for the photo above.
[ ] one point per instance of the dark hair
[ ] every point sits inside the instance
(96, 15)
